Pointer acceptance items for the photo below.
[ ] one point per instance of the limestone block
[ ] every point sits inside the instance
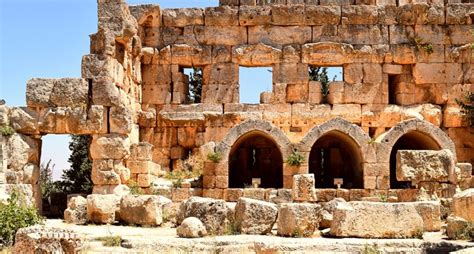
(322, 15)
(424, 165)
(191, 227)
(31, 173)
(403, 54)
(363, 34)
(325, 33)
(142, 151)
(4, 115)
(393, 69)
(463, 205)
(223, 73)
(254, 193)
(455, 225)
(256, 55)
(24, 120)
(142, 209)
(78, 120)
(328, 209)
(430, 212)
(277, 36)
(105, 177)
(183, 17)
(298, 219)
(360, 15)
(102, 209)
(458, 14)
(315, 95)
(255, 15)
(437, 73)
(454, 117)
(255, 216)
(39, 238)
(120, 120)
(229, 2)
(401, 34)
(213, 213)
(187, 55)
(147, 118)
(336, 2)
(350, 112)
(336, 93)
(110, 146)
(380, 115)
(220, 35)
(76, 212)
(288, 15)
(22, 150)
(303, 188)
(326, 53)
(221, 16)
(376, 220)
(66, 92)
(366, 93)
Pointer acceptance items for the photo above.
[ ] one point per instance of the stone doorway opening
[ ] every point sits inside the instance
(254, 155)
(412, 140)
(336, 155)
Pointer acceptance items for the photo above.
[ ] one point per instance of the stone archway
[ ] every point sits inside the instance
(413, 134)
(255, 155)
(243, 136)
(336, 149)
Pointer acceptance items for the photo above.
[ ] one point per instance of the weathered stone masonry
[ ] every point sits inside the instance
(404, 67)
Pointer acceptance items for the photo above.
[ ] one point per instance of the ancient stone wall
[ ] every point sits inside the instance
(404, 67)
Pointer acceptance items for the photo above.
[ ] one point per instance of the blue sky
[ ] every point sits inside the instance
(47, 38)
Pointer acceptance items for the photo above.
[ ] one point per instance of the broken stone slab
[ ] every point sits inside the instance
(425, 165)
(376, 220)
(64, 92)
(463, 205)
(144, 210)
(303, 188)
(76, 212)
(298, 220)
(42, 239)
(327, 211)
(455, 226)
(430, 212)
(191, 227)
(212, 212)
(254, 216)
(102, 209)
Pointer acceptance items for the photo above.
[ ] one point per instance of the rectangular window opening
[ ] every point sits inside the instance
(255, 84)
(325, 75)
(195, 82)
(392, 89)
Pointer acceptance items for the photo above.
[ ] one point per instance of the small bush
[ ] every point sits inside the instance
(6, 130)
(371, 249)
(383, 198)
(110, 241)
(134, 188)
(190, 168)
(295, 159)
(214, 157)
(16, 214)
(465, 233)
(231, 229)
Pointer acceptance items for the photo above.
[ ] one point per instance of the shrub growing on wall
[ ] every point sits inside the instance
(467, 106)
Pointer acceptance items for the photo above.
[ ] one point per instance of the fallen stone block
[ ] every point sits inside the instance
(42, 239)
(456, 227)
(376, 220)
(76, 212)
(255, 216)
(212, 212)
(191, 227)
(102, 209)
(298, 220)
(425, 165)
(463, 205)
(327, 210)
(303, 188)
(142, 209)
(430, 212)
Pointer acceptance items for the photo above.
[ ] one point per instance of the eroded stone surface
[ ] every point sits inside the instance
(255, 216)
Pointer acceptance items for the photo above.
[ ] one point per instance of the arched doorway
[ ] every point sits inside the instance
(412, 140)
(255, 155)
(336, 155)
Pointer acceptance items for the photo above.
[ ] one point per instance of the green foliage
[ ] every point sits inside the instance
(427, 47)
(371, 249)
(231, 229)
(195, 86)
(110, 241)
(383, 198)
(177, 177)
(214, 157)
(6, 130)
(77, 179)
(16, 214)
(467, 105)
(295, 159)
(134, 188)
(465, 233)
(320, 74)
(297, 233)
(47, 184)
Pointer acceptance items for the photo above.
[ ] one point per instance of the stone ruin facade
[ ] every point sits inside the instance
(404, 66)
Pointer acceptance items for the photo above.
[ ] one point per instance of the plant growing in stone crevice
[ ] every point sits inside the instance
(214, 157)
(421, 45)
(467, 106)
(6, 130)
(295, 159)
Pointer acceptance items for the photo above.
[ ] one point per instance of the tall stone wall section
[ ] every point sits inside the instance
(404, 67)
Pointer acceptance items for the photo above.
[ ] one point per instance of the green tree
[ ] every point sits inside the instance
(467, 106)
(320, 74)
(77, 179)
(195, 86)
(48, 186)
